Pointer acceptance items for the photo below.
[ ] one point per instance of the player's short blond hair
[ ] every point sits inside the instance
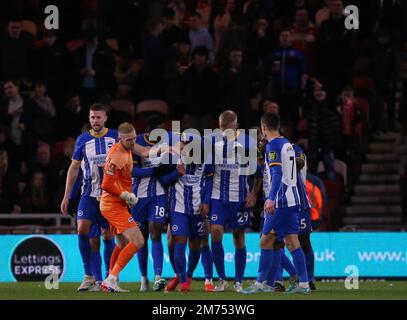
(126, 128)
(227, 118)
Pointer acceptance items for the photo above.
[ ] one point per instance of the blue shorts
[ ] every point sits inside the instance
(95, 231)
(283, 222)
(304, 218)
(150, 209)
(88, 208)
(233, 214)
(187, 225)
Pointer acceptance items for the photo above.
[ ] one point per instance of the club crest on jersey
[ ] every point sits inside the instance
(272, 156)
(111, 169)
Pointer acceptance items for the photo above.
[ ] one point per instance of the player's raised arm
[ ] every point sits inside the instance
(71, 177)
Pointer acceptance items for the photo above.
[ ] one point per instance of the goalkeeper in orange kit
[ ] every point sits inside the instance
(115, 200)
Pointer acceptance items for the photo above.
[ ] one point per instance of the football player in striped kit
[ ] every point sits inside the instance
(281, 208)
(231, 199)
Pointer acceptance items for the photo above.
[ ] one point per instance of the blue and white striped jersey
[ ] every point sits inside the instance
(280, 158)
(192, 189)
(146, 186)
(229, 182)
(302, 179)
(91, 150)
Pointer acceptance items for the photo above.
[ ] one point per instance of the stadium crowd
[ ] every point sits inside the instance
(190, 60)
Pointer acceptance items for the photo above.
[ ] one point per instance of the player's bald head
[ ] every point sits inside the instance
(228, 120)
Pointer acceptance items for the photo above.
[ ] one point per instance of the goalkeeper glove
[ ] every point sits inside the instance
(129, 197)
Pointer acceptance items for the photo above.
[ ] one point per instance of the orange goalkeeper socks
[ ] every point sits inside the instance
(124, 257)
(113, 257)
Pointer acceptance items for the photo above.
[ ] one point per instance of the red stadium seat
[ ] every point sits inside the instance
(30, 27)
(363, 83)
(149, 106)
(74, 44)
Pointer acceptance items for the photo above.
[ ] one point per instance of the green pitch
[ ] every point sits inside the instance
(330, 291)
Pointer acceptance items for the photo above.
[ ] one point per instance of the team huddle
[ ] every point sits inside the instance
(128, 196)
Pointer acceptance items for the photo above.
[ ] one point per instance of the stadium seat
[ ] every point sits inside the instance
(30, 27)
(74, 44)
(123, 105)
(150, 106)
(363, 83)
(113, 44)
(340, 168)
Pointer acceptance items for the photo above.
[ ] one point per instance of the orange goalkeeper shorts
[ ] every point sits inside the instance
(119, 219)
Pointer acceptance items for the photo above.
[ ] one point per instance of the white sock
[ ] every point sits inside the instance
(303, 285)
(208, 281)
(157, 277)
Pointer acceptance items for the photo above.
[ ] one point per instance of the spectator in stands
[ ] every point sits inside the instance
(270, 106)
(324, 132)
(315, 200)
(154, 55)
(46, 112)
(174, 70)
(8, 185)
(199, 91)
(94, 67)
(227, 14)
(351, 117)
(53, 65)
(20, 113)
(304, 37)
(71, 118)
(286, 70)
(335, 49)
(259, 43)
(172, 34)
(16, 52)
(199, 36)
(37, 197)
(237, 85)
(323, 13)
(14, 153)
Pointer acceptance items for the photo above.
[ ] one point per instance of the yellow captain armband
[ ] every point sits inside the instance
(275, 164)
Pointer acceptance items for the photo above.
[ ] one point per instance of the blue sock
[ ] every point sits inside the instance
(172, 259)
(310, 260)
(287, 264)
(266, 260)
(86, 253)
(299, 263)
(97, 265)
(107, 253)
(142, 257)
(240, 264)
(180, 261)
(219, 258)
(274, 270)
(158, 253)
(207, 262)
(193, 259)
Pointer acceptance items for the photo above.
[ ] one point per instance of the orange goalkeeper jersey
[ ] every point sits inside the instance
(117, 177)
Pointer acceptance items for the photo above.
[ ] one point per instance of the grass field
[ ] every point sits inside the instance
(325, 291)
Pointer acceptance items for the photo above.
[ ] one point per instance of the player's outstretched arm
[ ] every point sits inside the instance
(71, 177)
